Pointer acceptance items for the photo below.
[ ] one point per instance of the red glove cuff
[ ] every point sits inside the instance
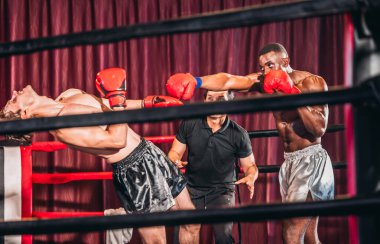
(148, 102)
(160, 101)
(117, 99)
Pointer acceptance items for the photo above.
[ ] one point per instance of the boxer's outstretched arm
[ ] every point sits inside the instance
(182, 86)
(152, 102)
(225, 81)
(134, 104)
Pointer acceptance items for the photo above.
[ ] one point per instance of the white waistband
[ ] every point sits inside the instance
(303, 152)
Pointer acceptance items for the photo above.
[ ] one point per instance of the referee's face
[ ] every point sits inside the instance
(216, 96)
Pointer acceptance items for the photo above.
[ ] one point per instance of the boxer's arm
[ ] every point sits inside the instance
(160, 101)
(176, 153)
(134, 104)
(94, 137)
(152, 101)
(131, 104)
(183, 85)
(314, 118)
(225, 81)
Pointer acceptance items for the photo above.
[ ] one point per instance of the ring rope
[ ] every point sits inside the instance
(362, 205)
(50, 215)
(239, 17)
(51, 146)
(274, 132)
(259, 104)
(62, 178)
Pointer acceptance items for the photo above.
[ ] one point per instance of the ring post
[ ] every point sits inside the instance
(26, 187)
(367, 118)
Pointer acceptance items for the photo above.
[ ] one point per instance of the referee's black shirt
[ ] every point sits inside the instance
(211, 156)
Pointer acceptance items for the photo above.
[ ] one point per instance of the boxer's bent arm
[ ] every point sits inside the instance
(103, 152)
(314, 118)
(95, 137)
(225, 81)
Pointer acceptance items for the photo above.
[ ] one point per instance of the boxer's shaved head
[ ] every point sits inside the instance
(274, 47)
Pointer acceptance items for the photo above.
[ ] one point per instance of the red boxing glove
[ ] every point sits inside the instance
(112, 84)
(160, 102)
(279, 80)
(181, 86)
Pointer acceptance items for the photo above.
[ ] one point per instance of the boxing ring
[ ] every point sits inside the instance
(28, 178)
(361, 126)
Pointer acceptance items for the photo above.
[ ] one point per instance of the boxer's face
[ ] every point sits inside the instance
(19, 101)
(272, 61)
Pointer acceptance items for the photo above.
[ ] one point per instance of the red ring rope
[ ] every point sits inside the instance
(48, 215)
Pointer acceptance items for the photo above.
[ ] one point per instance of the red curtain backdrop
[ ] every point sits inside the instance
(315, 45)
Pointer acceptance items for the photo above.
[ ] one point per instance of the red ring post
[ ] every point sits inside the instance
(26, 187)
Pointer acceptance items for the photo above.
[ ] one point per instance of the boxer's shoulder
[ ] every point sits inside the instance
(308, 81)
(84, 99)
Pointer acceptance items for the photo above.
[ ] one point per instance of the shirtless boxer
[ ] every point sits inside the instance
(307, 172)
(144, 178)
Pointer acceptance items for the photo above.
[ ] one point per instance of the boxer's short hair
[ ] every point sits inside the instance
(275, 47)
(22, 139)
